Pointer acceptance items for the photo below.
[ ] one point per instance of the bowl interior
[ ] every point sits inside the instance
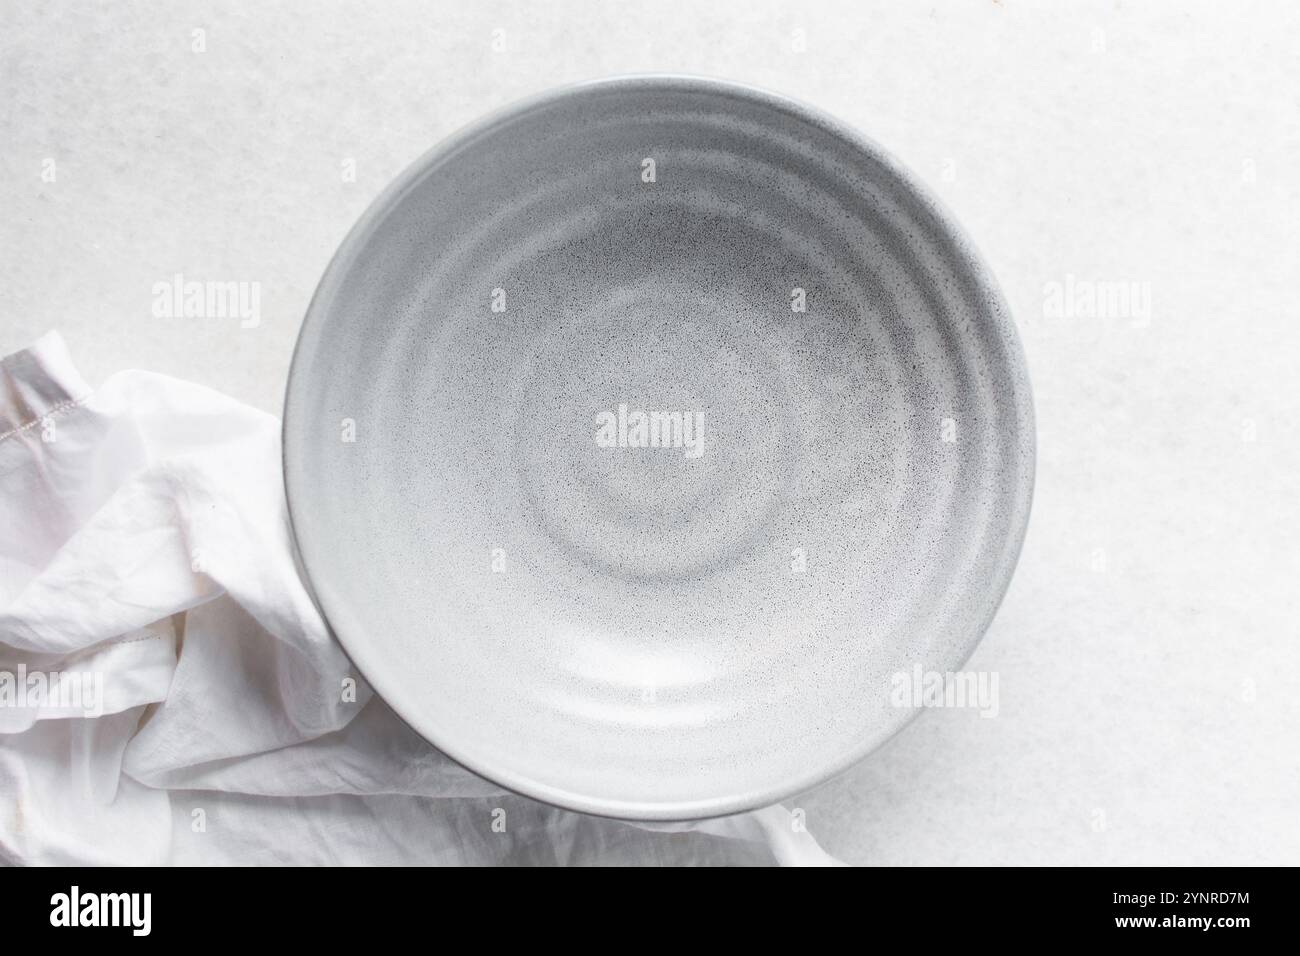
(639, 435)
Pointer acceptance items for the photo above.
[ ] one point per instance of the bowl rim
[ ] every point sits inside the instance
(335, 612)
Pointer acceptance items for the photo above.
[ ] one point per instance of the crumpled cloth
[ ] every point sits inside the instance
(169, 693)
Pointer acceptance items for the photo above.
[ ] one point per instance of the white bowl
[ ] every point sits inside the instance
(701, 610)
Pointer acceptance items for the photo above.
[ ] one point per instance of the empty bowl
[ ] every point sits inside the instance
(639, 436)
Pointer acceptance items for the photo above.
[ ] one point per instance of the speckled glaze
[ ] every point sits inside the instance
(634, 631)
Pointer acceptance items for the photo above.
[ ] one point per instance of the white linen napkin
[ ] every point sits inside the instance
(169, 692)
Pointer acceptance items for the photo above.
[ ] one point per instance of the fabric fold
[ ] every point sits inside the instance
(169, 692)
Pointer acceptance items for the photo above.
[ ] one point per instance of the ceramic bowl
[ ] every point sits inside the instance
(640, 436)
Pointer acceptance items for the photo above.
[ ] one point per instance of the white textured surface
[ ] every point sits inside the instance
(1167, 156)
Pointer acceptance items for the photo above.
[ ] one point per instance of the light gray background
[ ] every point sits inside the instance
(1146, 651)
